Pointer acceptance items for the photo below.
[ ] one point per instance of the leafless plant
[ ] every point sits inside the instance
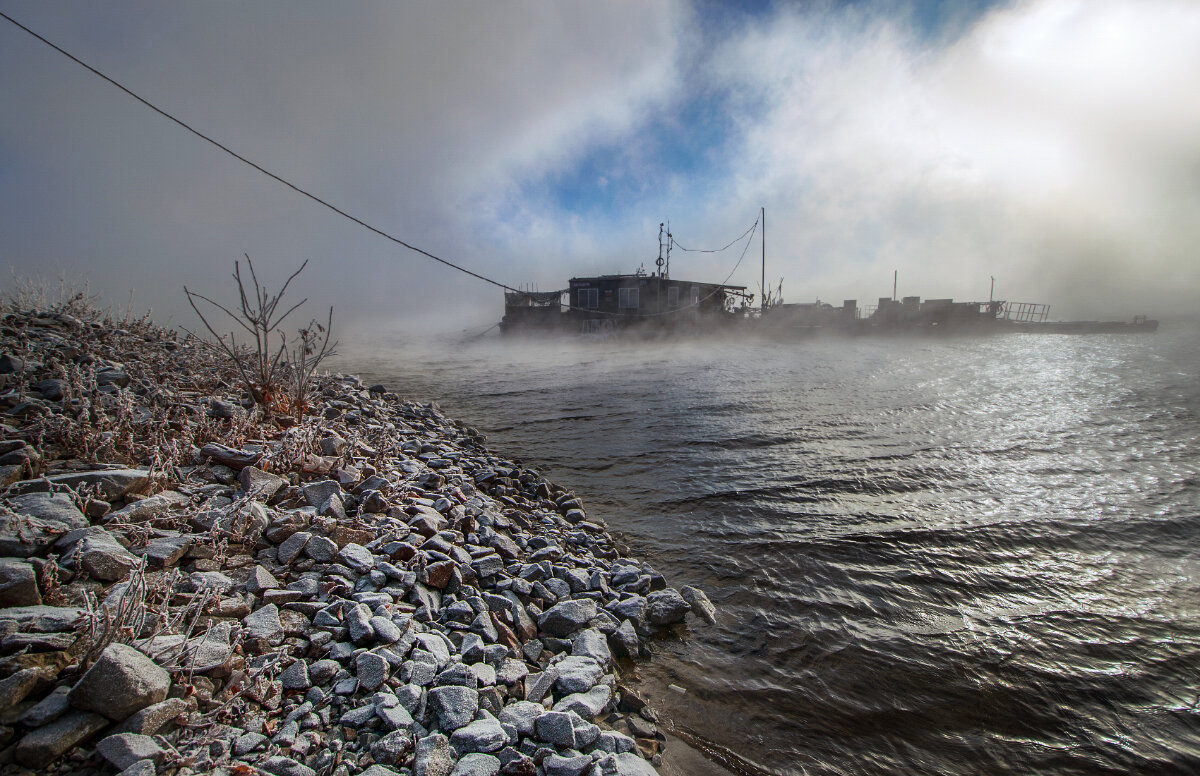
(314, 346)
(259, 316)
(122, 616)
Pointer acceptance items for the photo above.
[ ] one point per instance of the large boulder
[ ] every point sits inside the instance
(666, 607)
(121, 682)
(566, 617)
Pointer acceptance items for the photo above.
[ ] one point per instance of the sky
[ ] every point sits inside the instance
(1053, 145)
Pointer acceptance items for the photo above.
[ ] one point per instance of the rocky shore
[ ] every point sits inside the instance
(190, 586)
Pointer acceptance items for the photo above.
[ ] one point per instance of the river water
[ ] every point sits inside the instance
(934, 556)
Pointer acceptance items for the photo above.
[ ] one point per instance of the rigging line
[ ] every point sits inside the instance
(717, 250)
(261, 169)
(718, 289)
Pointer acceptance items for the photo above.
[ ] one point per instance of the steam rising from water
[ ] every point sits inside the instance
(930, 555)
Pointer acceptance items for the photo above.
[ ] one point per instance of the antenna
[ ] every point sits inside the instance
(670, 237)
(659, 262)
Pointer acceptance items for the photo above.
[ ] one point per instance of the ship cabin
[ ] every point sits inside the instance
(609, 302)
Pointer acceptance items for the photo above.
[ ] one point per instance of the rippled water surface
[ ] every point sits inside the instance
(930, 555)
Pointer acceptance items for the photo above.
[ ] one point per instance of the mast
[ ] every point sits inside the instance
(763, 283)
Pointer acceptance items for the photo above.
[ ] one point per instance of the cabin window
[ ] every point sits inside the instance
(673, 296)
(695, 296)
(629, 298)
(589, 297)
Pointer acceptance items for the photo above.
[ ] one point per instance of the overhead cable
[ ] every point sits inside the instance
(715, 250)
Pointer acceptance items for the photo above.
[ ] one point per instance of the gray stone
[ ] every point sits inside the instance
(140, 768)
(392, 748)
(666, 607)
(372, 670)
(511, 671)
(125, 749)
(374, 502)
(615, 743)
(264, 624)
(209, 650)
(623, 764)
(521, 715)
(625, 640)
(16, 688)
(358, 621)
(18, 584)
(454, 706)
(316, 494)
(149, 508)
(249, 742)
(22, 536)
(357, 557)
(481, 735)
(457, 674)
(485, 675)
(488, 566)
(565, 730)
(165, 551)
(43, 619)
(295, 676)
(556, 728)
(56, 508)
(46, 744)
(588, 704)
(385, 630)
(46, 710)
(477, 764)
(566, 617)
(154, 717)
(259, 484)
(700, 604)
(394, 717)
(557, 765)
(121, 682)
(199, 581)
(260, 579)
(578, 674)
(230, 456)
(321, 549)
(285, 766)
(591, 643)
(104, 558)
(291, 547)
(380, 770)
(322, 671)
(112, 484)
(632, 609)
(538, 685)
(358, 717)
(434, 757)
(436, 645)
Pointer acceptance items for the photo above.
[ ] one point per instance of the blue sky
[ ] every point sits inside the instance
(1050, 143)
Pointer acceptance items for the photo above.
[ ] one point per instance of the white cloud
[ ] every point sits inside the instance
(1055, 140)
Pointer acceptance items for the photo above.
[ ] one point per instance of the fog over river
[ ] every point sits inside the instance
(942, 556)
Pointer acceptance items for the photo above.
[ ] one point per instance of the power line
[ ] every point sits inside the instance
(258, 167)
